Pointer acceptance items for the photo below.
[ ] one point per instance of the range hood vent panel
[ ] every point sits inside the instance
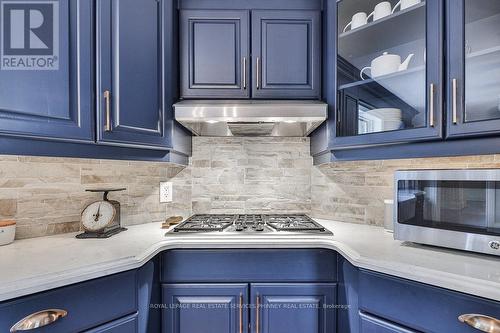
(250, 117)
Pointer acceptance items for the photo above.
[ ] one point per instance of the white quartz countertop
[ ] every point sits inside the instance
(34, 265)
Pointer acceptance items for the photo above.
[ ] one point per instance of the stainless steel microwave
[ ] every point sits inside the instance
(450, 208)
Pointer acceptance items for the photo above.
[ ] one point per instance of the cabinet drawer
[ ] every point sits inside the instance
(256, 265)
(419, 306)
(371, 324)
(123, 325)
(88, 304)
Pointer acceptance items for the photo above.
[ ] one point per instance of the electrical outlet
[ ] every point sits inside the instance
(166, 192)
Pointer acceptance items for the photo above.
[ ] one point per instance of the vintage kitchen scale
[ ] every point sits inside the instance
(101, 219)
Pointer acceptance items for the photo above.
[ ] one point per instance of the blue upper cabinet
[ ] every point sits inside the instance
(286, 54)
(197, 308)
(473, 68)
(293, 308)
(389, 72)
(215, 53)
(130, 84)
(45, 71)
(283, 60)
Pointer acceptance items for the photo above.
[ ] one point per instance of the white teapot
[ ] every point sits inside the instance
(387, 64)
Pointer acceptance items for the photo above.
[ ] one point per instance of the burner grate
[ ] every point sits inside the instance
(250, 223)
(206, 222)
(292, 223)
(253, 221)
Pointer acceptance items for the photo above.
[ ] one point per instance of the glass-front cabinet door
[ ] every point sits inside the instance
(389, 65)
(473, 67)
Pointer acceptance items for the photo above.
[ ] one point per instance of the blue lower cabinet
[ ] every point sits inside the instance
(205, 308)
(372, 324)
(145, 289)
(87, 304)
(293, 307)
(124, 325)
(418, 306)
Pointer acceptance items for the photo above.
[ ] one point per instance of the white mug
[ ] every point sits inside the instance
(358, 20)
(404, 4)
(382, 10)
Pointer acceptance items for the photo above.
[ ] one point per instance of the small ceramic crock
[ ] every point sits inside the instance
(7, 231)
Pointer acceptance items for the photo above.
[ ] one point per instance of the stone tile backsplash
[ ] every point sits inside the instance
(226, 175)
(46, 195)
(355, 191)
(251, 175)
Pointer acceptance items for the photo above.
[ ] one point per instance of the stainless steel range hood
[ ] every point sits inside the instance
(250, 117)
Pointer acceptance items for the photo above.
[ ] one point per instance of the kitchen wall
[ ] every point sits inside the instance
(227, 175)
(355, 191)
(251, 175)
(46, 195)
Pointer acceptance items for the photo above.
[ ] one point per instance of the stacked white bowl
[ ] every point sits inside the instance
(390, 118)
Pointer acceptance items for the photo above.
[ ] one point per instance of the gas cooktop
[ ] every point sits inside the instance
(250, 223)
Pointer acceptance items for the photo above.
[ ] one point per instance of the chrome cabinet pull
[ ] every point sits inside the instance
(258, 75)
(107, 106)
(241, 313)
(454, 91)
(257, 313)
(38, 319)
(244, 72)
(481, 323)
(431, 104)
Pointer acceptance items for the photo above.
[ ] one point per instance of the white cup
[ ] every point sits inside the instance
(358, 20)
(382, 10)
(405, 4)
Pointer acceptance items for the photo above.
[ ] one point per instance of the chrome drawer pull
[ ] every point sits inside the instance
(431, 104)
(481, 323)
(244, 72)
(241, 313)
(257, 315)
(257, 73)
(454, 87)
(107, 105)
(38, 319)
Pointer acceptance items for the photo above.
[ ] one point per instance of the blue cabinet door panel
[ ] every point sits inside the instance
(472, 50)
(88, 304)
(205, 308)
(293, 308)
(214, 53)
(52, 101)
(419, 306)
(145, 287)
(372, 324)
(123, 325)
(130, 64)
(286, 54)
(256, 265)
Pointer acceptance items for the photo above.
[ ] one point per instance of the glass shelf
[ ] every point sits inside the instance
(396, 29)
(388, 103)
(482, 60)
(394, 78)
